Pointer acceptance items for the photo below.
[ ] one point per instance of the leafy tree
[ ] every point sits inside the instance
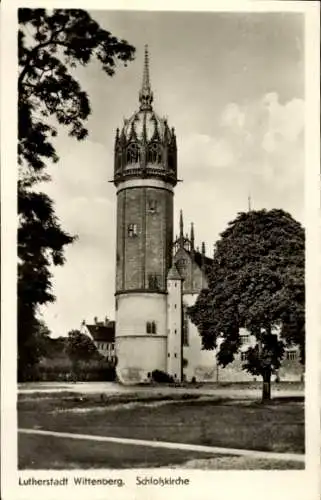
(256, 282)
(80, 347)
(51, 45)
(33, 348)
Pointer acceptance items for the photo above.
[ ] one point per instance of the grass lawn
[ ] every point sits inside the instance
(47, 452)
(277, 426)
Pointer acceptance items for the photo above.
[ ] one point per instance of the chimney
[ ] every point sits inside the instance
(95, 320)
(106, 320)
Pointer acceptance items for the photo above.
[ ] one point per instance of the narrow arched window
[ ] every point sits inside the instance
(133, 153)
(154, 154)
(171, 160)
(151, 327)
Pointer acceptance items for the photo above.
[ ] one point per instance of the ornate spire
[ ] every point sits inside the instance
(192, 237)
(146, 94)
(203, 254)
(181, 228)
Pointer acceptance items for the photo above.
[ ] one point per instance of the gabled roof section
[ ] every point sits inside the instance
(102, 332)
(198, 259)
(173, 273)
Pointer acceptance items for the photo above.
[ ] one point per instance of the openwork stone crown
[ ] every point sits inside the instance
(146, 146)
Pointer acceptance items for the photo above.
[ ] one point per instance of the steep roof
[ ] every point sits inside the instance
(173, 273)
(103, 333)
(198, 259)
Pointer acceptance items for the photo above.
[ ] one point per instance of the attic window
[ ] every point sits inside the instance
(181, 264)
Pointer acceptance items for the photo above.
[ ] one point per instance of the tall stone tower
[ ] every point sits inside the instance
(145, 174)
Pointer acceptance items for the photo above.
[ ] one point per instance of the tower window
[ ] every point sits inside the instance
(154, 154)
(151, 327)
(133, 154)
(132, 230)
(152, 206)
(171, 160)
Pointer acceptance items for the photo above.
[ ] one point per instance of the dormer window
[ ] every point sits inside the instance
(133, 153)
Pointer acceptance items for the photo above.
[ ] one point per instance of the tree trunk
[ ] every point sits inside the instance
(266, 390)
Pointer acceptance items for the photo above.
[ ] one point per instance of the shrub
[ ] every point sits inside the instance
(161, 377)
(64, 370)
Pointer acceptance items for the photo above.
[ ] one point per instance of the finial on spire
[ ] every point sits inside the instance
(146, 94)
(249, 200)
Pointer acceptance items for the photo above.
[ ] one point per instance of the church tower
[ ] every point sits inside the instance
(145, 174)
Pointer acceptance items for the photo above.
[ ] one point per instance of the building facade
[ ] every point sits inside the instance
(102, 333)
(157, 277)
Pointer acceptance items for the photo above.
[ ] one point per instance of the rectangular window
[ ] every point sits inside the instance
(245, 339)
(243, 356)
(132, 230)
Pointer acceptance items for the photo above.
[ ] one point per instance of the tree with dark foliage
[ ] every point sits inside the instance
(80, 347)
(51, 45)
(256, 282)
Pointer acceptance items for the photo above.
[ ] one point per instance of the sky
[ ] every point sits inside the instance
(232, 85)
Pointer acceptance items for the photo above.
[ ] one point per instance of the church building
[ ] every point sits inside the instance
(157, 276)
